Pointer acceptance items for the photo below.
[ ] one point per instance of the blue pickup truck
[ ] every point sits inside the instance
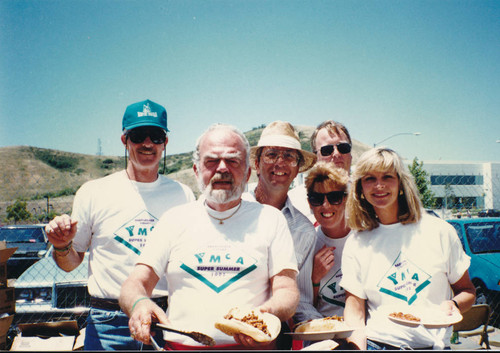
(31, 243)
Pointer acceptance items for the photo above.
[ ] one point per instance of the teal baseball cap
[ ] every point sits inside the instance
(145, 113)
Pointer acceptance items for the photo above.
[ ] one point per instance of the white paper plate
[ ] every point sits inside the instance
(341, 332)
(430, 318)
(326, 345)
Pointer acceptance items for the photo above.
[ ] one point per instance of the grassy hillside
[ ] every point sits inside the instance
(30, 172)
(47, 179)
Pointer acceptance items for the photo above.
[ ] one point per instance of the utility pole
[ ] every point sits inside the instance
(99, 147)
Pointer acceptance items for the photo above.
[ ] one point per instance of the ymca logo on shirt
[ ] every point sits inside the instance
(404, 280)
(219, 266)
(133, 234)
(331, 292)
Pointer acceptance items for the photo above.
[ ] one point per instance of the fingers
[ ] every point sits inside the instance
(61, 230)
(140, 329)
(264, 308)
(448, 307)
(323, 261)
(245, 340)
(325, 257)
(325, 251)
(237, 338)
(248, 341)
(140, 322)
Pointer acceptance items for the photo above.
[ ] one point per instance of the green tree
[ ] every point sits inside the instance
(450, 197)
(423, 183)
(18, 211)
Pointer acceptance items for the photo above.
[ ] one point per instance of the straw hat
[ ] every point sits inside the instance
(282, 134)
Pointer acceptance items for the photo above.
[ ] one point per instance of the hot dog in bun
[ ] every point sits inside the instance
(325, 324)
(262, 327)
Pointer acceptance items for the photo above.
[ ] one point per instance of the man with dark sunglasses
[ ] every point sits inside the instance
(277, 159)
(331, 142)
(112, 218)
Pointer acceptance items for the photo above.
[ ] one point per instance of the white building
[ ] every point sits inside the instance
(465, 184)
(458, 184)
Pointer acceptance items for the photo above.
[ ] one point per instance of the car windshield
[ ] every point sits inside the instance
(22, 235)
(483, 237)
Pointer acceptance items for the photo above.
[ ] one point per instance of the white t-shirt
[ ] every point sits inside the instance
(115, 217)
(331, 300)
(212, 267)
(304, 239)
(397, 266)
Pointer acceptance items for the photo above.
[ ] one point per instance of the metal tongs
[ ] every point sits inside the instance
(197, 336)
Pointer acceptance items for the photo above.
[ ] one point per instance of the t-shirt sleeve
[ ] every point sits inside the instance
(156, 252)
(351, 272)
(459, 261)
(82, 213)
(189, 193)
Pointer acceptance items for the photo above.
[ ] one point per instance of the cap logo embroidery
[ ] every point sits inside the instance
(146, 111)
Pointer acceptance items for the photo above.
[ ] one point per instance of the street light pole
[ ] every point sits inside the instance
(48, 207)
(401, 133)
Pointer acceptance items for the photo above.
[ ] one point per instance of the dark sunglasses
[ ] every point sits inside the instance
(343, 148)
(139, 134)
(334, 198)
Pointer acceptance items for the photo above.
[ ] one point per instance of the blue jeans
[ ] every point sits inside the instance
(108, 330)
(375, 346)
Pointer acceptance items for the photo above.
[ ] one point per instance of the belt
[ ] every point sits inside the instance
(113, 305)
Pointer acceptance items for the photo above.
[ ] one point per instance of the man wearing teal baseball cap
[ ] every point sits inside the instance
(111, 220)
(141, 120)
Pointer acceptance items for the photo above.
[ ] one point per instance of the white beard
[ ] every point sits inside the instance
(220, 196)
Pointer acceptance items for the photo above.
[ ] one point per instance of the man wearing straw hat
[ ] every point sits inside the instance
(277, 159)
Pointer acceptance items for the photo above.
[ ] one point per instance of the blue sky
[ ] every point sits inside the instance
(69, 68)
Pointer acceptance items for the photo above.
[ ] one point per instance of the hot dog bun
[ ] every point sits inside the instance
(319, 325)
(262, 327)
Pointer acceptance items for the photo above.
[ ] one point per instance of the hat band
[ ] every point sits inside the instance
(279, 141)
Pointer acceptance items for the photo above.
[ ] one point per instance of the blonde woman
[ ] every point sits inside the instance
(399, 258)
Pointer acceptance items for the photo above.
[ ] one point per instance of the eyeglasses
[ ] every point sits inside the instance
(334, 198)
(139, 134)
(342, 147)
(271, 156)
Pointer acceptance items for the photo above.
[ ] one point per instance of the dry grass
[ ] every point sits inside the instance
(25, 176)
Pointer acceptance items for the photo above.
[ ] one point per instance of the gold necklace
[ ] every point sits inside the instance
(221, 220)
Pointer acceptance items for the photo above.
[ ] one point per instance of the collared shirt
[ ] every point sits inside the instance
(304, 240)
(298, 197)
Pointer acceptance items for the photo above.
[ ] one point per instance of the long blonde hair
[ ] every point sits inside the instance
(362, 215)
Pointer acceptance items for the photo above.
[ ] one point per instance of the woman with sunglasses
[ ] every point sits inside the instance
(326, 193)
(399, 259)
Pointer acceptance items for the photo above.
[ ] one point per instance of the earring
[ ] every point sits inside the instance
(401, 192)
(362, 196)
